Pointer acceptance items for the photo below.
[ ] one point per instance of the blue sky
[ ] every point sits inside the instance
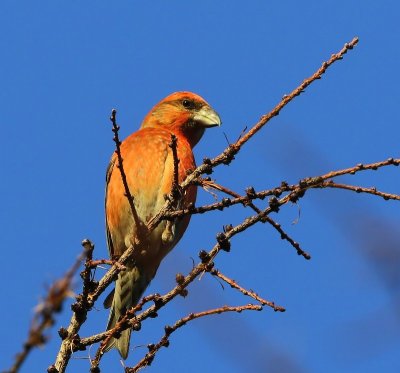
(66, 64)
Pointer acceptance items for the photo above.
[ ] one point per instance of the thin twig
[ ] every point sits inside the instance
(299, 90)
(359, 189)
(173, 145)
(175, 196)
(164, 342)
(357, 168)
(252, 294)
(120, 166)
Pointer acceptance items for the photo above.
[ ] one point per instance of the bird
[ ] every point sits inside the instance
(149, 166)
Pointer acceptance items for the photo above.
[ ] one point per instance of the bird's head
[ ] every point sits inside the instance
(183, 113)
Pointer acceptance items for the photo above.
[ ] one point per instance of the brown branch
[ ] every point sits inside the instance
(206, 264)
(175, 195)
(86, 274)
(229, 153)
(43, 318)
(299, 90)
(359, 189)
(120, 166)
(251, 194)
(164, 342)
(130, 315)
(173, 145)
(80, 309)
(311, 182)
(244, 291)
(357, 168)
(296, 192)
(245, 200)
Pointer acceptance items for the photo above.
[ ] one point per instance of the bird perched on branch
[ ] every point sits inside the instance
(149, 166)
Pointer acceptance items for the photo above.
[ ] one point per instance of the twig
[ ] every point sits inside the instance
(86, 273)
(175, 181)
(244, 291)
(176, 193)
(164, 342)
(299, 90)
(357, 168)
(359, 189)
(120, 166)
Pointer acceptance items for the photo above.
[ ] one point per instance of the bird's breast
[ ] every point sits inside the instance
(149, 168)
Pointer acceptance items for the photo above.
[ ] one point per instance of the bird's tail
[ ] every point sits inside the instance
(129, 287)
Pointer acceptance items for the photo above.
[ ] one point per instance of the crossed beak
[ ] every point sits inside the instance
(207, 117)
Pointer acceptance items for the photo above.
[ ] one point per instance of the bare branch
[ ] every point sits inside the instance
(173, 145)
(206, 264)
(359, 189)
(244, 291)
(361, 167)
(120, 166)
(164, 342)
(229, 153)
(223, 243)
(306, 183)
(299, 90)
(251, 194)
(71, 340)
(245, 200)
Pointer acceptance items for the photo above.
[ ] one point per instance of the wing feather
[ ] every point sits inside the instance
(108, 234)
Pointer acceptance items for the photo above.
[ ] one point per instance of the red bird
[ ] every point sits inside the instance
(149, 167)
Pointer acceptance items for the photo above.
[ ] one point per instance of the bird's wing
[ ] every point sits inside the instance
(108, 177)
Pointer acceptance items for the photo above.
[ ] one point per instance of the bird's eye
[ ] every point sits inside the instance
(187, 104)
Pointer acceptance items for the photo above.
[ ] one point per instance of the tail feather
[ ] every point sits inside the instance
(129, 288)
